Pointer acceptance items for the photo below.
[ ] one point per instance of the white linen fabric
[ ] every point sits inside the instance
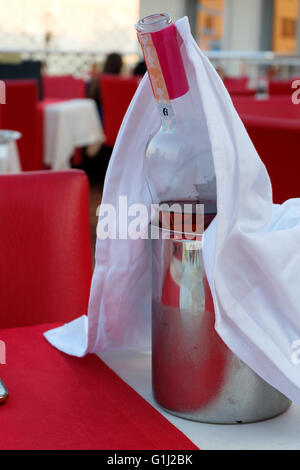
(251, 250)
(67, 125)
(9, 158)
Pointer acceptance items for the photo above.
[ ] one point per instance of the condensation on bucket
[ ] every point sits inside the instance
(194, 374)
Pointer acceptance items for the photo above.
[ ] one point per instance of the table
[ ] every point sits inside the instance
(279, 433)
(9, 158)
(62, 402)
(69, 124)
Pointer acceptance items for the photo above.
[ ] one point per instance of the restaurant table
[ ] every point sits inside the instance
(279, 433)
(58, 401)
(9, 158)
(67, 125)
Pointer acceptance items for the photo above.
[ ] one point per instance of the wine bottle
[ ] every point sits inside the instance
(178, 160)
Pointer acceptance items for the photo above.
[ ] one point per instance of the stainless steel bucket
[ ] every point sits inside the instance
(194, 374)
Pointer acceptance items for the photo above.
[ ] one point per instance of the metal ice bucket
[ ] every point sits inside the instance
(194, 374)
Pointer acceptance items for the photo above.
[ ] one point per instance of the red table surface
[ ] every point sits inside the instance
(62, 402)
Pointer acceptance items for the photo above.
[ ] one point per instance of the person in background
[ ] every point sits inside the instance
(140, 69)
(96, 167)
(112, 65)
(220, 71)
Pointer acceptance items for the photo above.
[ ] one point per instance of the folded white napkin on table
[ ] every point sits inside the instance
(251, 250)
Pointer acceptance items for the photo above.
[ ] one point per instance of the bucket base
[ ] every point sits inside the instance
(209, 418)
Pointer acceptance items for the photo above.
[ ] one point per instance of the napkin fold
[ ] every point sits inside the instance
(251, 249)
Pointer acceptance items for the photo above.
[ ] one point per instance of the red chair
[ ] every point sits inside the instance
(116, 94)
(277, 143)
(238, 86)
(63, 87)
(44, 247)
(281, 87)
(274, 127)
(280, 107)
(19, 113)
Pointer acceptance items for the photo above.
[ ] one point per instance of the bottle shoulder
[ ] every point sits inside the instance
(172, 134)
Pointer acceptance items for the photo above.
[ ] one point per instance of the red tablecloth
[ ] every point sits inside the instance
(61, 402)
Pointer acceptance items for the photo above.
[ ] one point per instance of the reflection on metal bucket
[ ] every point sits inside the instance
(194, 374)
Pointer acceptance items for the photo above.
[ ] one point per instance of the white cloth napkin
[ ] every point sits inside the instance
(251, 250)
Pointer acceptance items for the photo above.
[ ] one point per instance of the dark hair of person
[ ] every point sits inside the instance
(140, 68)
(113, 63)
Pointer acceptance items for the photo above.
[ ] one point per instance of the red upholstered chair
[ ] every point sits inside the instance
(274, 127)
(238, 86)
(277, 141)
(19, 113)
(63, 86)
(44, 247)
(281, 87)
(280, 107)
(116, 94)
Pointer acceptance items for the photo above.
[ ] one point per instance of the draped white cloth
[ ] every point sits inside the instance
(251, 250)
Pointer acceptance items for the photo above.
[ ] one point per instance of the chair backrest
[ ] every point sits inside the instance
(20, 114)
(63, 86)
(116, 93)
(281, 87)
(237, 85)
(45, 248)
(277, 141)
(274, 127)
(274, 106)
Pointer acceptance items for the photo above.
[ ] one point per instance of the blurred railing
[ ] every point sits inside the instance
(259, 57)
(59, 62)
(255, 64)
(79, 63)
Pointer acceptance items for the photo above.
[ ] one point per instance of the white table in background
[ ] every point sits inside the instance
(9, 158)
(68, 125)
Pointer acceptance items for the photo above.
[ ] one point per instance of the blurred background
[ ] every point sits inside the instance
(71, 68)
(74, 36)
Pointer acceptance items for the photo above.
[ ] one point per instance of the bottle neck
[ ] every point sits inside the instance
(165, 67)
(177, 113)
